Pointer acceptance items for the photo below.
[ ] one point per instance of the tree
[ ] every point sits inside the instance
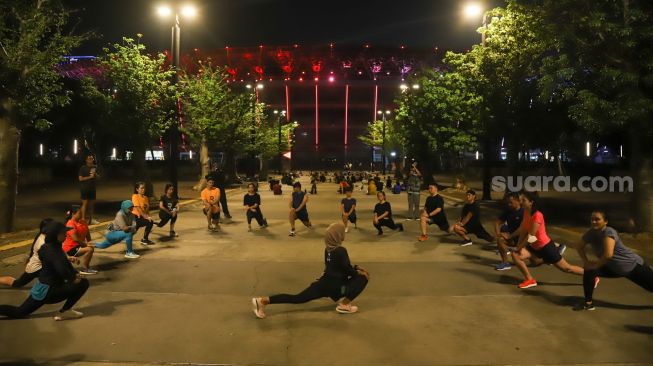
(137, 92)
(33, 40)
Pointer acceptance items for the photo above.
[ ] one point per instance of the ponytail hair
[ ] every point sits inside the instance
(70, 211)
(44, 223)
(533, 197)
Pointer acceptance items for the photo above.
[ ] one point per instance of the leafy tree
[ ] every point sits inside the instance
(33, 40)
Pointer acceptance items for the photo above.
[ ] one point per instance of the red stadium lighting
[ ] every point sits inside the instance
(331, 79)
(316, 79)
(301, 79)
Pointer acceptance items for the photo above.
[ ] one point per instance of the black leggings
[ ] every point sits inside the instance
(142, 222)
(386, 222)
(71, 292)
(24, 279)
(165, 217)
(258, 215)
(642, 275)
(324, 288)
(223, 201)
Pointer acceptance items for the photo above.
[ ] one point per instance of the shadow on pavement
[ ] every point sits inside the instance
(108, 307)
(63, 360)
(640, 329)
(570, 301)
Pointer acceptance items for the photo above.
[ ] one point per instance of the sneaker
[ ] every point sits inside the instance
(422, 238)
(91, 271)
(292, 233)
(347, 229)
(503, 266)
(527, 284)
(379, 233)
(584, 306)
(596, 282)
(227, 216)
(94, 222)
(346, 309)
(131, 255)
(173, 234)
(68, 314)
(401, 227)
(466, 243)
(257, 307)
(561, 249)
(265, 223)
(249, 227)
(146, 242)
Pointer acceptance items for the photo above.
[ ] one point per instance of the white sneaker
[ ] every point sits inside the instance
(347, 229)
(94, 222)
(292, 233)
(68, 314)
(257, 307)
(131, 255)
(346, 309)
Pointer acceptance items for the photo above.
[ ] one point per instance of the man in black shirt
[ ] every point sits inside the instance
(470, 221)
(348, 208)
(506, 229)
(383, 215)
(87, 177)
(433, 212)
(252, 203)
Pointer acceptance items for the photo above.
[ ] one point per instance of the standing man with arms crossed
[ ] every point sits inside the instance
(413, 190)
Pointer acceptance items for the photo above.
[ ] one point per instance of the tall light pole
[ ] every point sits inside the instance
(187, 11)
(281, 114)
(383, 115)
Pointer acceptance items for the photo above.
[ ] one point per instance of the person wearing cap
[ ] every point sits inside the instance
(340, 281)
(78, 240)
(122, 228)
(57, 280)
(297, 207)
(211, 199)
(470, 221)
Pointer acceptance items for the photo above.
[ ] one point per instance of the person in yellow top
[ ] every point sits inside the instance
(142, 212)
(211, 199)
(371, 187)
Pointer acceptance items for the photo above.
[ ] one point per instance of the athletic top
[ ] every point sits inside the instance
(34, 263)
(297, 199)
(432, 203)
(623, 259)
(512, 218)
(56, 269)
(142, 202)
(337, 264)
(348, 204)
(85, 171)
(123, 221)
(211, 195)
(80, 228)
(381, 208)
(169, 203)
(252, 199)
(542, 238)
(475, 210)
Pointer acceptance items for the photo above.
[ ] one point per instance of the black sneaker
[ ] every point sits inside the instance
(173, 234)
(227, 216)
(379, 233)
(584, 306)
(466, 243)
(401, 227)
(265, 223)
(146, 242)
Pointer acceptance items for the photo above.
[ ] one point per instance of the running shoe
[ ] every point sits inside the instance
(227, 216)
(401, 227)
(584, 306)
(88, 271)
(347, 229)
(346, 309)
(596, 282)
(379, 233)
(94, 222)
(466, 243)
(265, 223)
(292, 233)
(503, 266)
(146, 242)
(131, 255)
(561, 249)
(257, 307)
(422, 238)
(173, 234)
(68, 314)
(528, 284)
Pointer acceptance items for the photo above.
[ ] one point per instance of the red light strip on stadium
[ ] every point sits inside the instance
(258, 117)
(346, 111)
(376, 100)
(287, 105)
(317, 140)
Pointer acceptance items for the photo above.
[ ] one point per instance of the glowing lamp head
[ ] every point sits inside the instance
(248, 86)
(379, 113)
(189, 11)
(276, 111)
(164, 11)
(403, 87)
(473, 10)
(259, 86)
(415, 86)
(331, 79)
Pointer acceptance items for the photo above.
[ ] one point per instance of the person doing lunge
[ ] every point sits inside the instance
(340, 281)
(383, 215)
(142, 212)
(33, 266)
(433, 213)
(470, 221)
(211, 199)
(122, 228)
(348, 209)
(78, 240)
(506, 229)
(252, 205)
(298, 210)
(168, 209)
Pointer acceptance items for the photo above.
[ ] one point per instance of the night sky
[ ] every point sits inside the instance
(220, 23)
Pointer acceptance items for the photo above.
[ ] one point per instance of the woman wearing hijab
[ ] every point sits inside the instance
(122, 228)
(33, 266)
(57, 281)
(340, 281)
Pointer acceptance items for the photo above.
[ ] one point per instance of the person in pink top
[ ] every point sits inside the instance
(535, 245)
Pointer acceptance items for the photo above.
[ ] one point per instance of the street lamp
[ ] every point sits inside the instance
(164, 11)
(281, 115)
(383, 116)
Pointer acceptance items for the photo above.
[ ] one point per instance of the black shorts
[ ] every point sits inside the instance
(549, 253)
(73, 252)
(302, 215)
(441, 221)
(214, 216)
(87, 194)
(352, 218)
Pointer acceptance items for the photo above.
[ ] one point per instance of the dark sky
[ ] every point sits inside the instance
(413, 23)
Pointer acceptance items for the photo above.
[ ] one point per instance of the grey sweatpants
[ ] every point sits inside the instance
(413, 206)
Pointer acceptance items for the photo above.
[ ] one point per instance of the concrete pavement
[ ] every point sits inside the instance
(433, 303)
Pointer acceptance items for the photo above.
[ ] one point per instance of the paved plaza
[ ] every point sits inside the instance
(433, 303)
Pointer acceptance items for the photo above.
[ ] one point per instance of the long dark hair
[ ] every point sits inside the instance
(138, 184)
(533, 197)
(44, 223)
(165, 190)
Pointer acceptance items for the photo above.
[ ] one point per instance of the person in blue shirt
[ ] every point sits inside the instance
(298, 209)
(506, 229)
(348, 209)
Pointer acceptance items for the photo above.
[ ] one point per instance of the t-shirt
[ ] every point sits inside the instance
(80, 228)
(381, 208)
(623, 259)
(34, 263)
(337, 264)
(142, 202)
(297, 199)
(542, 238)
(432, 203)
(348, 204)
(169, 202)
(211, 195)
(512, 218)
(85, 171)
(475, 210)
(252, 199)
